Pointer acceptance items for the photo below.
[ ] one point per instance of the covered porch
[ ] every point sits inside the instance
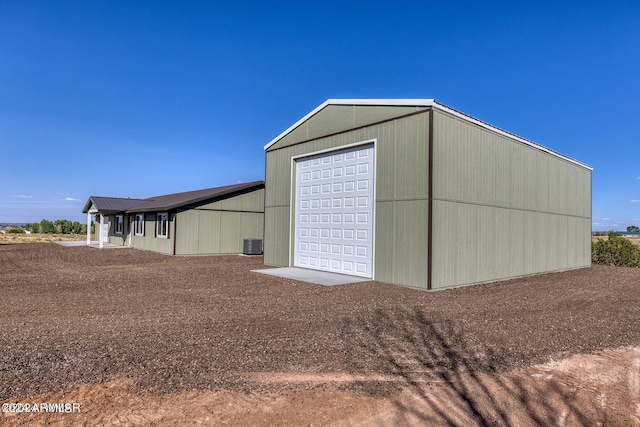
(103, 208)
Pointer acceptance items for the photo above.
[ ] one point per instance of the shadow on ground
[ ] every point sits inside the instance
(451, 383)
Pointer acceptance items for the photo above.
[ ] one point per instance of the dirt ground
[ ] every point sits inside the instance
(138, 338)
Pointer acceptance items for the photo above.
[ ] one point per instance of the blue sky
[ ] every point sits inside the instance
(135, 99)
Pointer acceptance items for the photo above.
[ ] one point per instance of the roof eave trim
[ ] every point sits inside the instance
(424, 103)
(87, 206)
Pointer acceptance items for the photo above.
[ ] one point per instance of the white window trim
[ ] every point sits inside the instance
(158, 225)
(119, 225)
(139, 224)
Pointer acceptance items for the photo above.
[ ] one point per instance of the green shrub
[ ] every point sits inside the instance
(616, 251)
(16, 231)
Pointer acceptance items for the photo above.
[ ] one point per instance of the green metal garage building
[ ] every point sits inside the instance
(416, 193)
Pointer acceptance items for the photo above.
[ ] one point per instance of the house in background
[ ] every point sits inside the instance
(201, 222)
(415, 193)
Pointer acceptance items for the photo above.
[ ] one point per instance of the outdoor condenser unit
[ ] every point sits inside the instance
(252, 247)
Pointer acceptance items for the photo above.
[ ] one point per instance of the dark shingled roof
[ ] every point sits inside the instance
(110, 205)
(177, 200)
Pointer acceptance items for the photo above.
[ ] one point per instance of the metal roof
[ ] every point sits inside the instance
(421, 103)
(173, 201)
(110, 205)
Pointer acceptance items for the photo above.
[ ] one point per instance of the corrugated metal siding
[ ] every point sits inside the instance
(333, 118)
(277, 176)
(220, 227)
(365, 115)
(475, 165)
(401, 250)
(339, 118)
(249, 202)
(208, 237)
(502, 209)
(188, 232)
(474, 243)
(401, 196)
(276, 235)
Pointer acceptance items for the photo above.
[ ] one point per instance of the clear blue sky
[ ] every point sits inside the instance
(135, 99)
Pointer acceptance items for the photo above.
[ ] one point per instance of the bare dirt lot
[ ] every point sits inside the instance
(140, 338)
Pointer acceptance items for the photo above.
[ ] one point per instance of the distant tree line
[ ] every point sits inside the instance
(630, 229)
(59, 226)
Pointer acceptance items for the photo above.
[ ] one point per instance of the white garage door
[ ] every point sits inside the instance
(334, 212)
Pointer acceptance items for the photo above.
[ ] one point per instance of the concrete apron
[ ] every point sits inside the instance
(312, 276)
(93, 244)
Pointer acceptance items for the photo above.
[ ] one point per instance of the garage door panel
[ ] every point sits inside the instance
(334, 212)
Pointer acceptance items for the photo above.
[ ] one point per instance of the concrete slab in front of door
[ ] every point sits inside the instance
(94, 244)
(312, 276)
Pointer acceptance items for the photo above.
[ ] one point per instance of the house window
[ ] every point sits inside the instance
(162, 225)
(139, 225)
(119, 224)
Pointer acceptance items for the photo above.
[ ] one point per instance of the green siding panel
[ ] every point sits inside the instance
(475, 165)
(248, 202)
(276, 236)
(385, 242)
(475, 243)
(205, 230)
(401, 245)
(503, 209)
(333, 118)
(411, 146)
(278, 176)
(340, 118)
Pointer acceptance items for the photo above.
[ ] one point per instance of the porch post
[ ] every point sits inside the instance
(101, 244)
(88, 228)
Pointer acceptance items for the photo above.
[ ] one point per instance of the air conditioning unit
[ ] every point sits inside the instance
(252, 247)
